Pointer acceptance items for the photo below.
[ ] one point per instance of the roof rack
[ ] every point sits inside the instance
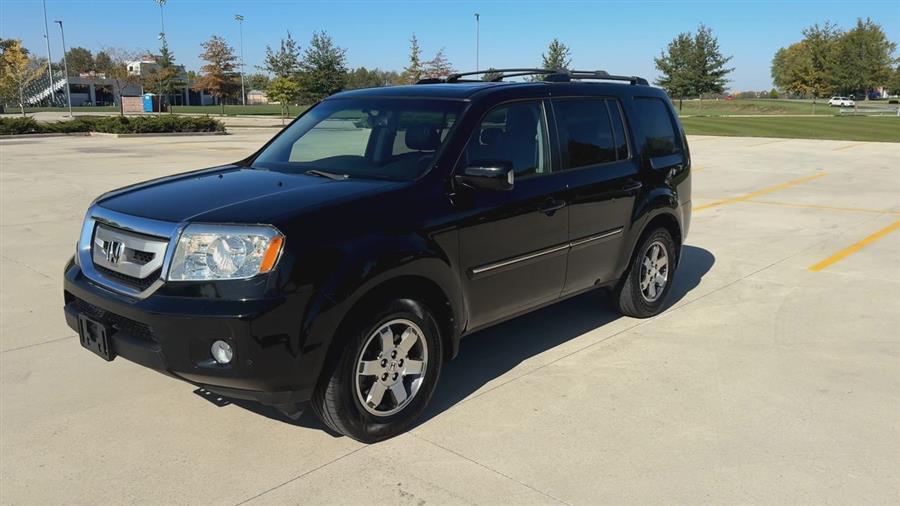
(550, 75)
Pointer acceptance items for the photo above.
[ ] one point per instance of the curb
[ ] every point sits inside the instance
(38, 136)
(104, 134)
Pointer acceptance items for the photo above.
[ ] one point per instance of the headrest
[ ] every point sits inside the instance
(422, 137)
(490, 136)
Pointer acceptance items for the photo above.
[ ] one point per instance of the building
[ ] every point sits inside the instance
(148, 65)
(255, 97)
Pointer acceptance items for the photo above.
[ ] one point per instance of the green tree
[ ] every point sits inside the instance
(863, 58)
(491, 74)
(79, 60)
(323, 70)
(676, 66)
(167, 77)
(285, 61)
(439, 66)
(894, 86)
(218, 74)
(285, 91)
(102, 61)
(710, 71)
(16, 71)
(806, 68)
(557, 57)
(773, 93)
(364, 78)
(257, 81)
(414, 71)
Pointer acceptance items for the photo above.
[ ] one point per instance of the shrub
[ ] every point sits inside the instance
(113, 125)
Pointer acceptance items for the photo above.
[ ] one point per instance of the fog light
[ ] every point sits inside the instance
(222, 352)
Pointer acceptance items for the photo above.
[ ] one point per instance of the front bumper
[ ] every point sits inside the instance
(173, 335)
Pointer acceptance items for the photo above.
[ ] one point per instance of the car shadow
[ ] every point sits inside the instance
(492, 352)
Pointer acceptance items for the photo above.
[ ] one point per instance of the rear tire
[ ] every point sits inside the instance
(642, 291)
(386, 374)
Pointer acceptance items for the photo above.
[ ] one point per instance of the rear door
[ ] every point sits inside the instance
(596, 159)
(513, 243)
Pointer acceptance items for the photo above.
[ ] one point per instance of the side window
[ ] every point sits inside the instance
(585, 132)
(516, 133)
(615, 115)
(658, 127)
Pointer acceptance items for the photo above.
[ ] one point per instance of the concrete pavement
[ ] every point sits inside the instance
(765, 382)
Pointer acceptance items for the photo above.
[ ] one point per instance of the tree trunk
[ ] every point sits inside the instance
(222, 101)
(680, 103)
(22, 100)
(814, 105)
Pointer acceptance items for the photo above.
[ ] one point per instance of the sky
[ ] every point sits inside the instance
(620, 37)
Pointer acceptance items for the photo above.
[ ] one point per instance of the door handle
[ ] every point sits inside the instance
(632, 186)
(551, 206)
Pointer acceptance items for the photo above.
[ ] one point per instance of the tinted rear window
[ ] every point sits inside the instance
(584, 132)
(659, 130)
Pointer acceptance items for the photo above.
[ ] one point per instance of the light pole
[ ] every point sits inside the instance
(62, 33)
(49, 58)
(477, 35)
(240, 19)
(162, 25)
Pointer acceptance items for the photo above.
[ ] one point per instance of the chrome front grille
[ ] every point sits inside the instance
(126, 254)
(134, 255)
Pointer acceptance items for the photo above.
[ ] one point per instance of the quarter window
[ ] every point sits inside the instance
(659, 130)
(514, 133)
(585, 132)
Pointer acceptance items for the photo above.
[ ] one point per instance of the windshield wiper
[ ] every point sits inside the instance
(329, 175)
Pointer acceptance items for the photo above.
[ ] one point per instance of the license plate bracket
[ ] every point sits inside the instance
(95, 336)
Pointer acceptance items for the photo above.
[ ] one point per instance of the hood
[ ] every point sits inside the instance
(233, 194)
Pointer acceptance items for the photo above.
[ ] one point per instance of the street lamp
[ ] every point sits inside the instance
(477, 35)
(240, 19)
(49, 58)
(65, 67)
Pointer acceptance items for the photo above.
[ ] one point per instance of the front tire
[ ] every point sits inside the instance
(386, 375)
(642, 291)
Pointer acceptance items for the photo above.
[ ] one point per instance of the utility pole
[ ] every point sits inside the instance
(240, 19)
(62, 33)
(49, 58)
(477, 36)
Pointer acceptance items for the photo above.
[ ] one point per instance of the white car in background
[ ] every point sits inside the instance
(841, 102)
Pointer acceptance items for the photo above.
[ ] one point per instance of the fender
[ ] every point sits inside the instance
(409, 258)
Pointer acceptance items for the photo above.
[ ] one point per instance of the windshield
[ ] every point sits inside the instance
(374, 138)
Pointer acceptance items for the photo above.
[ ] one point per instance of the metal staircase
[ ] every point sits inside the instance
(39, 92)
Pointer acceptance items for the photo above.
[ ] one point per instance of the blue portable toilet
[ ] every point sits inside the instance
(148, 102)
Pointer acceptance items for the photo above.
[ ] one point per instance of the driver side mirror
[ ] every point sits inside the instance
(497, 175)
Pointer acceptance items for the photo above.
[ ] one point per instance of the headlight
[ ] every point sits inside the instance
(209, 252)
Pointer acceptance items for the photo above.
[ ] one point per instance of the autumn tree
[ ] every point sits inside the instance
(806, 67)
(863, 58)
(439, 66)
(115, 66)
(218, 74)
(16, 71)
(323, 70)
(414, 70)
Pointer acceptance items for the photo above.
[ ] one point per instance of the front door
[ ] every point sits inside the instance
(513, 244)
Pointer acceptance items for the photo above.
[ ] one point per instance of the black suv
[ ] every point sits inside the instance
(342, 262)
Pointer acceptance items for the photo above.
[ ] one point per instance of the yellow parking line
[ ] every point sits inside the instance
(844, 253)
(824, 208)
(766, 143)
(847, 147)
(758, 193)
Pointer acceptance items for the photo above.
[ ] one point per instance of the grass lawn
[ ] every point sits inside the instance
(752, 106)
(850, 128)
(233, 110)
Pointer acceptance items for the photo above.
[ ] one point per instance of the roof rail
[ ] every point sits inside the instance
(550, 75)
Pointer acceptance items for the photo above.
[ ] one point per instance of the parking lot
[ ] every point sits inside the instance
(773, 378)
